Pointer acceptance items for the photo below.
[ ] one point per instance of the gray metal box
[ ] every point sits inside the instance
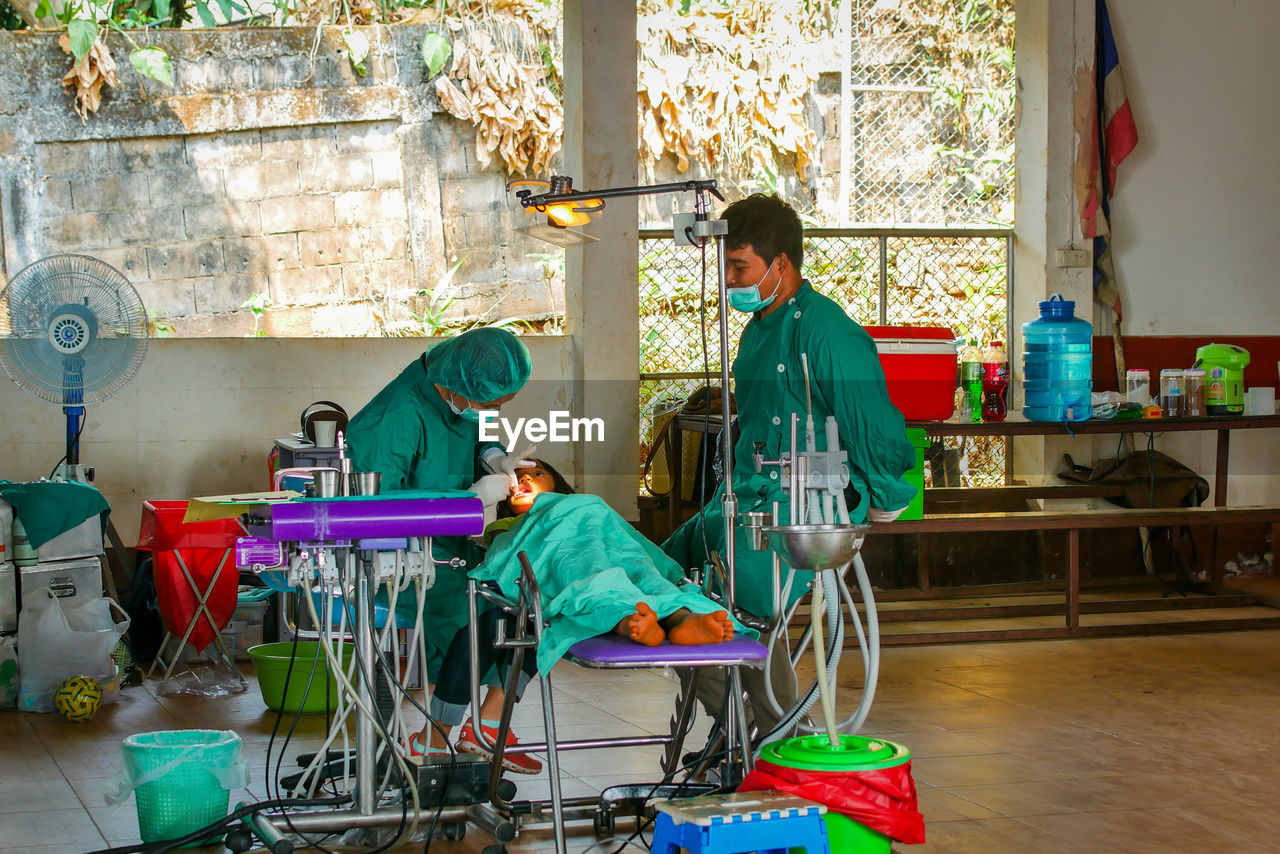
(301, 453)
(75, 582)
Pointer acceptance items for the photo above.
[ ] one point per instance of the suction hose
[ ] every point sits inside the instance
(835, 627)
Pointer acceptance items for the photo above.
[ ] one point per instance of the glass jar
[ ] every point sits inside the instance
(1138, 386)
(1193, 390)
(1171, 397)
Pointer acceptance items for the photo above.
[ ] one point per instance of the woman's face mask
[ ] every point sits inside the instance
(748, 299)
(466, 412)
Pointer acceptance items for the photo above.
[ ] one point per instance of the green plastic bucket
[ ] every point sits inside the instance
(855, 753)
(182, 779)
(305, 693)
(915, 477)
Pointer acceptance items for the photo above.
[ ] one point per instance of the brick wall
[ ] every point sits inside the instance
(339, 198)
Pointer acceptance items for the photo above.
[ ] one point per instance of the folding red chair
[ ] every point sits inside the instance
(196, 580)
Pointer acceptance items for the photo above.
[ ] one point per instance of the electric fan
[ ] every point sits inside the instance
(73, 331)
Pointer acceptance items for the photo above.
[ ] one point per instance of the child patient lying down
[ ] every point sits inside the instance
(595, 572)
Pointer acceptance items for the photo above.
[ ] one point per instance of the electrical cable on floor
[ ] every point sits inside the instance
(643, 825)
(218, 827)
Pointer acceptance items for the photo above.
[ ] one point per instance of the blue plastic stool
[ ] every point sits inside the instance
(766, 822)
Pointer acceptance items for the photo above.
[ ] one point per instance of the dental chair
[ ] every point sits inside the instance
(602, 652)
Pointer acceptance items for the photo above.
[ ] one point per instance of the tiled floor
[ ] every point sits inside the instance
(1161, 744)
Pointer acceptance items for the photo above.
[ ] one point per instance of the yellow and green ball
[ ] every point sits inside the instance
(78, 698)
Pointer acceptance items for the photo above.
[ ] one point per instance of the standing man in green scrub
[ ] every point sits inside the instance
(422, 432)
(763, 254)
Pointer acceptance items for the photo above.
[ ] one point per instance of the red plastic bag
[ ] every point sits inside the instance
(203, 548)
(178, 602)
(883, 799)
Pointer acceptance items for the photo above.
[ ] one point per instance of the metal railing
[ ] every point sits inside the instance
(961, 278)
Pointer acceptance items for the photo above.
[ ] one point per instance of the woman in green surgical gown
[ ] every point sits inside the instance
(421, 432)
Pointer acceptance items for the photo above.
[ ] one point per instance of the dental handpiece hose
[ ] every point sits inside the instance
(810, 439)
(344, 464)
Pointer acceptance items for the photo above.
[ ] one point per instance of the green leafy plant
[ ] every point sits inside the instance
(159, 327)
(435, 52)
(442, 296)
(258, 304)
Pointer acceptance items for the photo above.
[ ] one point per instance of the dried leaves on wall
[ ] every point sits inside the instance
(516, 115)
(504, 80)
(727, 85)
(88, 75)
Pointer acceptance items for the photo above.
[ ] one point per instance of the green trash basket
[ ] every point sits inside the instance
(182, 779)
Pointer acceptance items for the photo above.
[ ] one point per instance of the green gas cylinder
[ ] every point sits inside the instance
(1224, 366)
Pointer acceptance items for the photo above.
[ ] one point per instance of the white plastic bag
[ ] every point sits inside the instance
(54, 644)
(230, 775)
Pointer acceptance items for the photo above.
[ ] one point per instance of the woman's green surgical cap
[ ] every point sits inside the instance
(481, 364)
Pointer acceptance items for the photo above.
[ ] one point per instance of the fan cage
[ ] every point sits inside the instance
(43, 290)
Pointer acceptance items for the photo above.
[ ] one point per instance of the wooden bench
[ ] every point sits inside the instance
(1072, 523)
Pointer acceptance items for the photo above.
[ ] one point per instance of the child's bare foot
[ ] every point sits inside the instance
(703, 628)
(642, 626)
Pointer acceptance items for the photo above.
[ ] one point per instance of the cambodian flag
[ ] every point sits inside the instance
(1114, 137)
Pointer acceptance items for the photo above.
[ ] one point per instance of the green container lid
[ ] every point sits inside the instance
(855, 753)
(1226, 355)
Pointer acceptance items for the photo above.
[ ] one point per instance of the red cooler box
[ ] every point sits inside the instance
(920, 366)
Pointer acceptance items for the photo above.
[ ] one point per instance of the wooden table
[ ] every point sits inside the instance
(1075, 521)
(1016, 425)
(1070, 523)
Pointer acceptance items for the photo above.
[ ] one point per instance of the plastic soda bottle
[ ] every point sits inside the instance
(995, 379)
(971, 380)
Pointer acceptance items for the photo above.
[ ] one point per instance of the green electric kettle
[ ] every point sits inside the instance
(1224, 366)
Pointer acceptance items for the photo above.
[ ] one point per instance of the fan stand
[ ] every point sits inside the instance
(58, 316)
(71, 470)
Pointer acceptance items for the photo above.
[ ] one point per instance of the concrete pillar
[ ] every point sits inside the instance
(1055, 46)
(601, 290)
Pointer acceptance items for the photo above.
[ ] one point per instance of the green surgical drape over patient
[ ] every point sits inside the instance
(592, 568)
(846, 381)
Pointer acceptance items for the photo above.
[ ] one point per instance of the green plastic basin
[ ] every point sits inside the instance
(310, 687)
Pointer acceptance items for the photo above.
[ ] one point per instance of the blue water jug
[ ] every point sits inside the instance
(1057, 364)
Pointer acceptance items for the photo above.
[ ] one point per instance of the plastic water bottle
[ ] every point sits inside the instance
(1057, 364)
(23, 554)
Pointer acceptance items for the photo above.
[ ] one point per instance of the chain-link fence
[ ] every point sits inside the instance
(958, 278)
(930, 105)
